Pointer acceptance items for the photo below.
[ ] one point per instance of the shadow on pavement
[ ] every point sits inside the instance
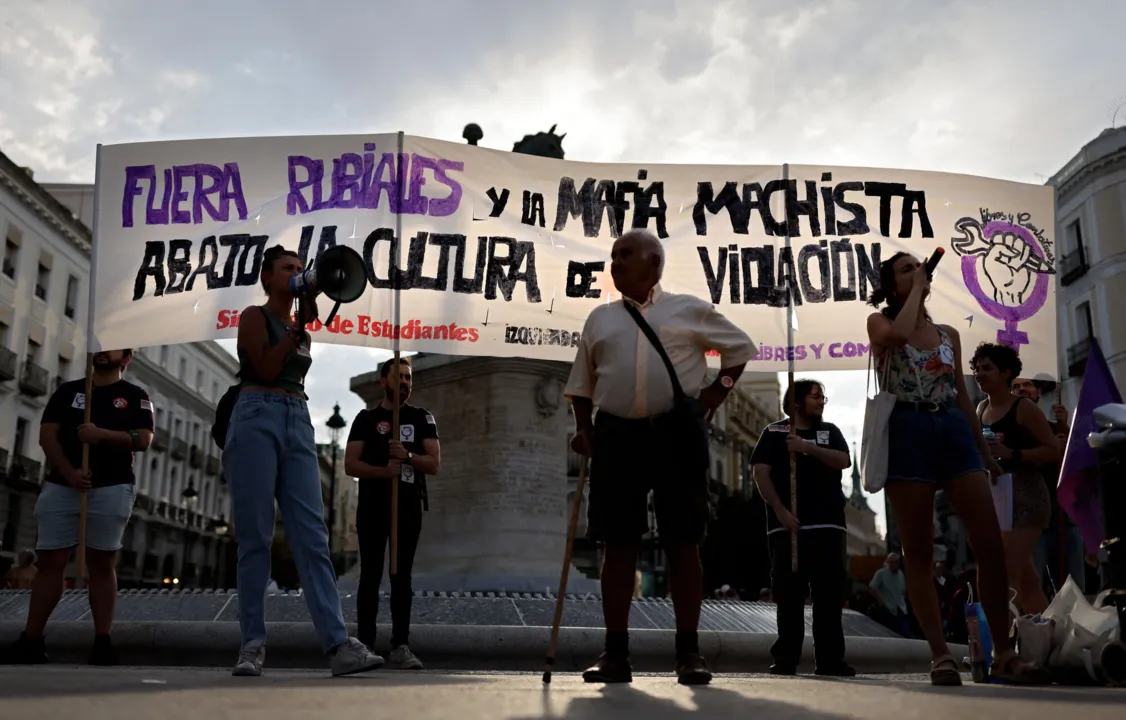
(620, 701)
(21, 682)
(1043, 693)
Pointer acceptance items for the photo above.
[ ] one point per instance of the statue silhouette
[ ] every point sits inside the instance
(544, 144)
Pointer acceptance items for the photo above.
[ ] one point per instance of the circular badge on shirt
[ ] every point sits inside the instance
(383, 427)
(120, 403)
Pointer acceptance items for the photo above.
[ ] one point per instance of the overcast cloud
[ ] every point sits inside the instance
(1009, 89)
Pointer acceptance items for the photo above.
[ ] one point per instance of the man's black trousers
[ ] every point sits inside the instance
(822, 576)
(373, 527)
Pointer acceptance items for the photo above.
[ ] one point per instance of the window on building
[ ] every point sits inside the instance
(1073, 238)
(164, 356)
(178, 428)
(11, 252)
(33, 349)
(184, 369)
(42, 279)
(199, 380)
(63, 372)
(214, 390)
(19, 447)
(1084, 328)
(71, 297)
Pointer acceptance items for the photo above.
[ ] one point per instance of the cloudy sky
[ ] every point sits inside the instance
(1005, 88)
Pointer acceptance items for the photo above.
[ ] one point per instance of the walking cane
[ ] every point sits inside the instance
(79, 579)
(567, 551)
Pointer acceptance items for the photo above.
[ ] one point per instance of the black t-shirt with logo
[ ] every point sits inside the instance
(121, 406)
(821, 501)
(372, 427)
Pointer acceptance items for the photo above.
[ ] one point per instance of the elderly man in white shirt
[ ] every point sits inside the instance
(648, 436)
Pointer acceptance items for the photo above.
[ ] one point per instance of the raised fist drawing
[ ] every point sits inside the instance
(1005, 266)
(1008, 261)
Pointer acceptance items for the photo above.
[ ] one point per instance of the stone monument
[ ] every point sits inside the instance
(499, 509)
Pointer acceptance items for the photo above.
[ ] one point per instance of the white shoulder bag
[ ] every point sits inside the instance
(877, 418)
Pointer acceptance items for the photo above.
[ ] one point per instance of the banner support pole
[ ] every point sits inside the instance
(396, 299)
(80, 577)
(792, 410)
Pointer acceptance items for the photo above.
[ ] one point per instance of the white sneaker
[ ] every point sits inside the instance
(403, 659)
(250, 659)
(353, 657)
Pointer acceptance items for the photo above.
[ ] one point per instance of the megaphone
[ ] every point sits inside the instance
(338, 273)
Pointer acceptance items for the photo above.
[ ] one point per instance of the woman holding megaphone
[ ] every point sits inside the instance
(935, 441)
(270, 453)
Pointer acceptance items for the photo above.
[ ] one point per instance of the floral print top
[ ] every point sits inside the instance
(920, 375)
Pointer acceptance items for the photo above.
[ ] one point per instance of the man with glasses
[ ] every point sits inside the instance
(822, 456)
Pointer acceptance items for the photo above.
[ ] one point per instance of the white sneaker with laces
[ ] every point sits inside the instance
(250, 659)
(403, 659)
(354, 657)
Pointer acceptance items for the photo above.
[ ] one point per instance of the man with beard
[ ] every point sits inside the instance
(822, 456)
(377, 459)
(121, 423)
(650, 435)
(1059, 552)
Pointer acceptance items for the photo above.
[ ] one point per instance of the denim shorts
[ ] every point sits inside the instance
(107, 513)
(931, 446)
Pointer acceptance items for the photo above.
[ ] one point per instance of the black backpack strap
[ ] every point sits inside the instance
(677, 390)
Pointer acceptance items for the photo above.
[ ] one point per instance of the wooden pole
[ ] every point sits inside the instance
(396, 300)
(794, 395)
(568, 551)
(80, 579)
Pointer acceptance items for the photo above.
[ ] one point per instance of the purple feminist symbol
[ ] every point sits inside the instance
(1015, 269)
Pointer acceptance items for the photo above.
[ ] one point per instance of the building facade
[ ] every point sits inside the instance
(179, 533)
(1091, 253)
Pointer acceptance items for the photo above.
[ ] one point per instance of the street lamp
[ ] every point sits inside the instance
(335, 425)
(190, 495)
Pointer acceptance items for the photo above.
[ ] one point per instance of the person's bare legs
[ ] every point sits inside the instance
(619, 565)
(686, 582)
(1020, 548)
(103, 588)
(972, 498)
(46, 589)
(913, 504)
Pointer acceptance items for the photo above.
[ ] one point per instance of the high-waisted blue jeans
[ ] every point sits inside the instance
(271, 453)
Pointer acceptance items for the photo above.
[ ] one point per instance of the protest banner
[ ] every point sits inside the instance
(506, 254)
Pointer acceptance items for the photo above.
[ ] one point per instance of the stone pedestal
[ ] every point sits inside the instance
(498, 510)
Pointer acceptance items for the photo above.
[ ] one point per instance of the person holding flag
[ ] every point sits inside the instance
(121, 424)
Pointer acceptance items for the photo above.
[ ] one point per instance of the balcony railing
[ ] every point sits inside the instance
(9, 365)
(1077, 356)
(179, 448)
(34, 380)
(1073, 266)
(24, 473)
(159, 441)
(195, 457)
(212, 465)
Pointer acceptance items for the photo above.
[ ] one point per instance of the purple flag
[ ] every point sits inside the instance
(1078, 489)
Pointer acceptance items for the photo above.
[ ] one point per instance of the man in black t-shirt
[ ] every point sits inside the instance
(376, 459)
(121, 423)
(822, 456)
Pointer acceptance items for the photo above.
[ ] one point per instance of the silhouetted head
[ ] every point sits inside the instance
(810, 399)
(636, 263)
(387, 377)
(112, 359)
(278, 266)
(995, 367)
(897, 276)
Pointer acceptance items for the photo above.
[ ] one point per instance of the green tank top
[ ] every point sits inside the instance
(292, 377)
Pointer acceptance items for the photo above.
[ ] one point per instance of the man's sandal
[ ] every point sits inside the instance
(1009, 668)
(945, 672)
